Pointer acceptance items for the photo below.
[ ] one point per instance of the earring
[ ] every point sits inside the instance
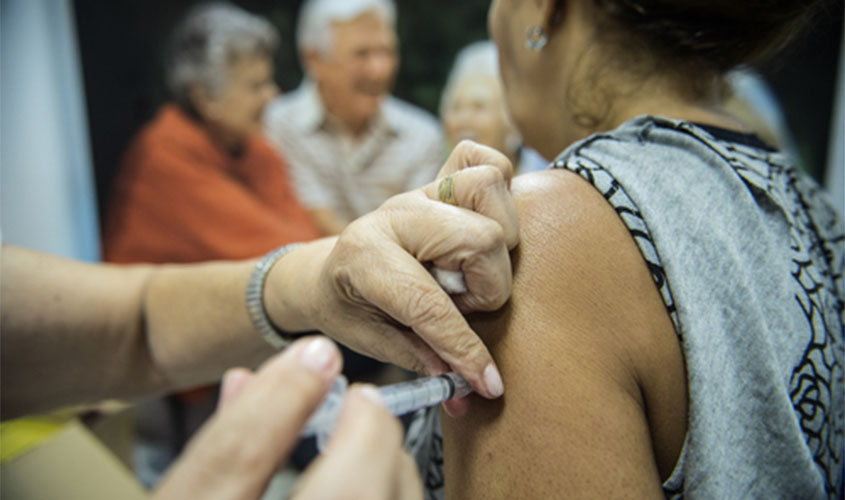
(536, 38)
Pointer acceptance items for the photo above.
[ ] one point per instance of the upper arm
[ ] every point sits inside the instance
(589, 358)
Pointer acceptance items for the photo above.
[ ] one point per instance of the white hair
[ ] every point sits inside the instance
(478, 59)
(314, 27)
(210, 37)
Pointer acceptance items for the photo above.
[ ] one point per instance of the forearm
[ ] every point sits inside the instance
(196, 322)
(293, 290)
(74, 332)
(69, 331)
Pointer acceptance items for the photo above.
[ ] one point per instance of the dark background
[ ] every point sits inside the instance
(122, 44)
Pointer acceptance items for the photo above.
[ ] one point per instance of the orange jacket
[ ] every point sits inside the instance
(180, 198)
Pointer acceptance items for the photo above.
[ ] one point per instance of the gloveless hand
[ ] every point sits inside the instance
(260, 418)
(374, 292)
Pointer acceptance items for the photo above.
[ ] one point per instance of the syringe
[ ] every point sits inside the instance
(400, 399)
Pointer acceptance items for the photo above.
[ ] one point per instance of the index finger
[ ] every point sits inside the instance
(406, 291)
(237, 452)
(364, 457)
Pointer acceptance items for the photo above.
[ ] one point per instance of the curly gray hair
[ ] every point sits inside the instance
(209, 39)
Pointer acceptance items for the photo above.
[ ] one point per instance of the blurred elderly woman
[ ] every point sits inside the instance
(198, 182)
(473, 107)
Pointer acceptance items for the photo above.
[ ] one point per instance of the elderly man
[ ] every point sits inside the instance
(349, 143)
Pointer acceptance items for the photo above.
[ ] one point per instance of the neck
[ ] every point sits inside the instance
(646, 98)
(673, 100)
(353, 129)
(232, 144)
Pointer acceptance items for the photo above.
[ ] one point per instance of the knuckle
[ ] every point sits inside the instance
(460, 346)
(429, 306)
(248, 457)
(496, 299)
(399, 202)
(490, 236)
(493, 280)
(466, 147)
(490, 176)
(230, 454)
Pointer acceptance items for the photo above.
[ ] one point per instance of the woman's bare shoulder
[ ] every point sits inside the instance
(575, 343)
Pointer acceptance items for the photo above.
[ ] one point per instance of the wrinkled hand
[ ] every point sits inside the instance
(259, 421)
(376, 295)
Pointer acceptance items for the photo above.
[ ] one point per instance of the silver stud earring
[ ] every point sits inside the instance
(536, 38)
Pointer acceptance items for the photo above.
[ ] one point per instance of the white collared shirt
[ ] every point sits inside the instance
(402, 149)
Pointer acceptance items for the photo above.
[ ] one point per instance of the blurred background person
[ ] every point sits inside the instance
(200, 183)
(349, 143)
(750, 98)
(473, 107)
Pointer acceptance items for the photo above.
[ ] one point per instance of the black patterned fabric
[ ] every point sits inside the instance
(748, 256)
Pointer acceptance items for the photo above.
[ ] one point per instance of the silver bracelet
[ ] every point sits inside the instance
(255, 298)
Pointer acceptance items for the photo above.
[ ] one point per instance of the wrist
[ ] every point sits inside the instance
(291, 292)
(255, 298)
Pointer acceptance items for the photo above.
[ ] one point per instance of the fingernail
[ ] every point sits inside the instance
(371, 393)
(227, 388)
(318, 355)
(493, 381)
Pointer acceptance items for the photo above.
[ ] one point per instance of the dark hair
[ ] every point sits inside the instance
(695, 41)
(712, 34)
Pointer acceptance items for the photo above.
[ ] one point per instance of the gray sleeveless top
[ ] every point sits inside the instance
(748, 256)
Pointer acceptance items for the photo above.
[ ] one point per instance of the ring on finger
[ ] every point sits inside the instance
(446, 190)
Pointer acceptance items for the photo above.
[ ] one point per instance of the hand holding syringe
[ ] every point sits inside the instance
(399, 399)
(402, 398)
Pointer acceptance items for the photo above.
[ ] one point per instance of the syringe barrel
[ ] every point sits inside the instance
(398, 398)
(423, 392)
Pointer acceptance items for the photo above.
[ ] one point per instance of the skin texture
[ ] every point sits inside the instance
(596, 389)
(234, 113)
(364, 304)
(548, 92)
(596, 404)
(77, 333)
